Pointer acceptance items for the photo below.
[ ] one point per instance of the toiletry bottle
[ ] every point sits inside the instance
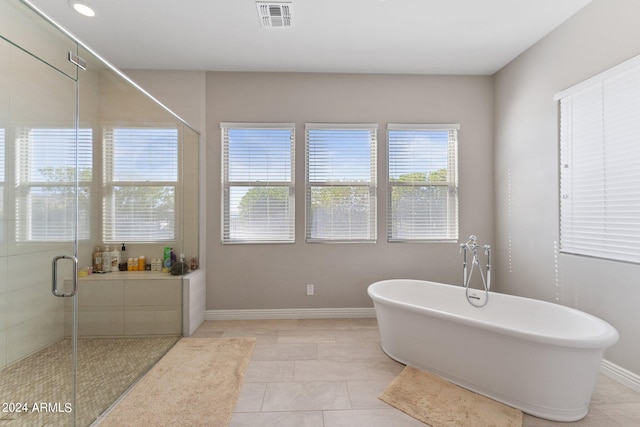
(135, 264)
(193, 264)
(97, 260)
(106, 259)
(130, 264)
(142, 263)
(115, 259)
(166, 260)
(123, 258)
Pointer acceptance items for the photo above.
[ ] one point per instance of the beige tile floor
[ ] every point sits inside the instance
(329, 372)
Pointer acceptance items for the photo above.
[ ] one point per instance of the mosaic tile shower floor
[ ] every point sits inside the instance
(106, 368)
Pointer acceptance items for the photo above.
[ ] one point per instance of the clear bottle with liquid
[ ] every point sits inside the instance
(97, 260)
(106, 259)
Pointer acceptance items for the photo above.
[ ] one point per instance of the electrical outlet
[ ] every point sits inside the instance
(310, 289)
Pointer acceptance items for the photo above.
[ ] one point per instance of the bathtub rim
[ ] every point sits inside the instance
(607, 338)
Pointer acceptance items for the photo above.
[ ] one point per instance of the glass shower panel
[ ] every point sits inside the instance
(131, 196)
(190, 190)
(87, 159)
(38, 188)
(146, 154)
(22, 26)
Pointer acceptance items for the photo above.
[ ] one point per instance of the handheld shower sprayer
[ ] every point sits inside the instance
(472, 245)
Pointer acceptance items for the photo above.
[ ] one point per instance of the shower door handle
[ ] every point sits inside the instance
(54, 276)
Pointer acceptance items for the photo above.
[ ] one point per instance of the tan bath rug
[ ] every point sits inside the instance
(197, 383)
(439, 403)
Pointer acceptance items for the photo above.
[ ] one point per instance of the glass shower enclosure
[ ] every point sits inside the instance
(70, 125)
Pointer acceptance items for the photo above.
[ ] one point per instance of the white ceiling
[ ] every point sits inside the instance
(363, 36)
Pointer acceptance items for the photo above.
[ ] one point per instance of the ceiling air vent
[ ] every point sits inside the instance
(274, 15)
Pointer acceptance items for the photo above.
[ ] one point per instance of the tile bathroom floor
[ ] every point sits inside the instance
(329, 372)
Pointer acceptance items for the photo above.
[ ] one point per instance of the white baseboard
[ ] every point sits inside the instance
(621, 375)
(291, 313)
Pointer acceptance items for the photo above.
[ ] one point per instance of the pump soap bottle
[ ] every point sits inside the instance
(124, 266)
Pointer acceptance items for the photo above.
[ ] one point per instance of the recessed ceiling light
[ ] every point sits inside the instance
(82, 7)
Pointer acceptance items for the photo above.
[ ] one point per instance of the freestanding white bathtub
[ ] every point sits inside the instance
(536, 356)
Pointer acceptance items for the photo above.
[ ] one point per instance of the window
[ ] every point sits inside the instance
(341, 182)
(45, 184)
(258, 183)
(423, 182)
(140, 179)
(600, 165)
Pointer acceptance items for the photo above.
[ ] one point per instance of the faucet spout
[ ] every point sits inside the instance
(472, 242)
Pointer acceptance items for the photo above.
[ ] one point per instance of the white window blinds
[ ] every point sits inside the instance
(600, 165)
(423, 182)
(47, 167)
(341, 182)
(140, 180)
(258, 182)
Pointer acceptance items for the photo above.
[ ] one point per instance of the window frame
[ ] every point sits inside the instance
(24, 183)
(599, 177)
(227, 184)
(109, 184)
(371, 186)
(453, 216)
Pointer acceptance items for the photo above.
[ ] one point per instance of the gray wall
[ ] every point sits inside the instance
(274, 276)
(602, 35)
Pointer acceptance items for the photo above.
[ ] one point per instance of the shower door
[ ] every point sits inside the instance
(38, 221)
